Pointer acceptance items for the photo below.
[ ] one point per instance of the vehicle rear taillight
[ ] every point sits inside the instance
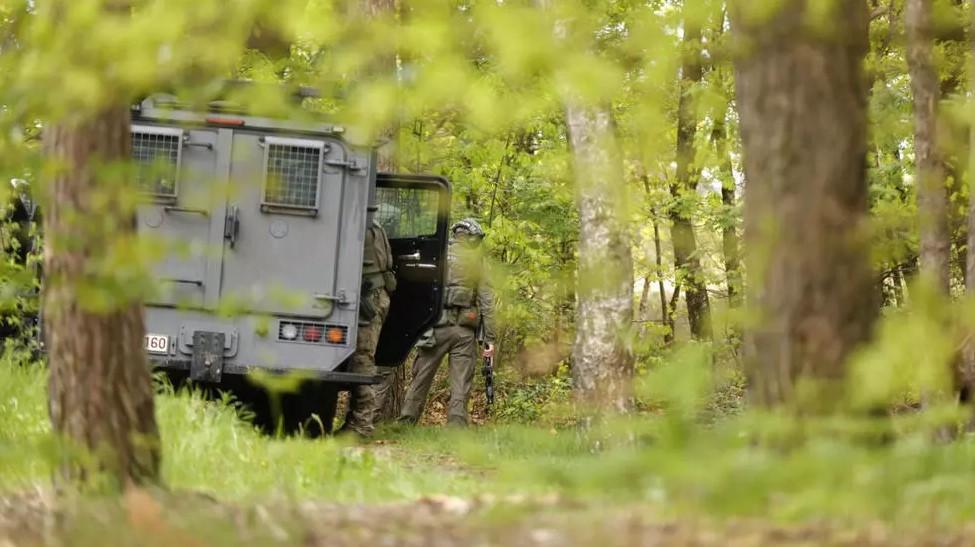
(336, 335)
(288, 331)
(312, 333)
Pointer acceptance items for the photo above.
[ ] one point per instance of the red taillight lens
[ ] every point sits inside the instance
(312, 334)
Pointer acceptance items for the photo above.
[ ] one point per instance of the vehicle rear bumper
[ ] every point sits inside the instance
(348, 378)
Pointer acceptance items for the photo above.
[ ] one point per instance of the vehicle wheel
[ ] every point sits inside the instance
(313, 409)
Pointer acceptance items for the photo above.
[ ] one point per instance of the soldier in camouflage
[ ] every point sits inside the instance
(468, 304)
(378, 282)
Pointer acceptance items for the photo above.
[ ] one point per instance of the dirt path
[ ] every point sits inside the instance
(189, 519)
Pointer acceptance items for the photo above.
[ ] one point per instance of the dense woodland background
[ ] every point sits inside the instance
(730, 242)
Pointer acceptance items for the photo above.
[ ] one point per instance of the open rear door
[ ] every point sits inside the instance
(414, 211)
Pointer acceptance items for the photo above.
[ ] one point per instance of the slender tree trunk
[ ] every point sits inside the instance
(898, 280)
(666, 311)
(955, 136)
(391, 391)
(683, 187)
(729, 228)
(644, 296)
(602, 363)
(801, 97)
(932, 193)
(100, 390)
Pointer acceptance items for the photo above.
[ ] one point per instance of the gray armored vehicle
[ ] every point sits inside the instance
(263, 221)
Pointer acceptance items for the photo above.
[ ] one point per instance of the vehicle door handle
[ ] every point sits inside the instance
(411, 257)
(231, 225)
(196, 282)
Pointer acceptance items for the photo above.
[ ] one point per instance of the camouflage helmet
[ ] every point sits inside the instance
(468, 225)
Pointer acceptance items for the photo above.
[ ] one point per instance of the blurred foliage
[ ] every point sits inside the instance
(843, 468)
(474, 90)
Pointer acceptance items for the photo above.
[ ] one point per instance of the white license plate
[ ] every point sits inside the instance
(157, 343)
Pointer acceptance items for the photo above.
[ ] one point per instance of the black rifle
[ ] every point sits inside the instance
(488, 370)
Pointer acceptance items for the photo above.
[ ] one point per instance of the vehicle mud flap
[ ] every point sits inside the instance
(207, 363)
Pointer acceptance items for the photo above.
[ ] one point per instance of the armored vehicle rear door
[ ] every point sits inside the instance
(284, 223)
(176, 168)
(413, 210)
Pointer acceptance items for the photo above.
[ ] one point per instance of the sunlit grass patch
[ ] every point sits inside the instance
(26, 450)
(773, 466)
(208, 447)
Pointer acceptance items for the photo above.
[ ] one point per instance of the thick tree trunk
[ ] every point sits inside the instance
(682, 232)
(966, 380)
(602, 363)
(932, 193)
(801, 96)
(100, 390)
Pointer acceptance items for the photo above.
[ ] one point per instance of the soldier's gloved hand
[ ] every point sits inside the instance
(489, 350)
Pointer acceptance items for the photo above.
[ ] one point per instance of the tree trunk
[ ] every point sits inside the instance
(602, 363)
(100, 390)
(898, 280)
(966, 380)
(392, 390)
(729, 229)
(666, 310)
(932, 194)
(686, 257)
(802, 102)
(644, 296)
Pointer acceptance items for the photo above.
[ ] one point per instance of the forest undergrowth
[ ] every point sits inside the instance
(680, 458)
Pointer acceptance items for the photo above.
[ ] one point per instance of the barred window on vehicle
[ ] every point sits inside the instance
(407, 212)
(293, 173)
(156, 157)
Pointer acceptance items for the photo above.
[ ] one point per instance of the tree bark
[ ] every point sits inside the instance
(644, 296)
(729, 230)
(602, 362)
(100, 390)
(966, 380)
(391, 392)
(666, 310)
(802, 102)
(686, 257)
(932, 193)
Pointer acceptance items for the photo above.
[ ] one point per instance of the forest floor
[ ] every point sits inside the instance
(656, 479)
(190, 518)
(470, 516)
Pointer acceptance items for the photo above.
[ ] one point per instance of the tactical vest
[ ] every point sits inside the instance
(461, 306)
(377, 260)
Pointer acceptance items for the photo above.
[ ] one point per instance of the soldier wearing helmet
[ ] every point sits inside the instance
(468, 304)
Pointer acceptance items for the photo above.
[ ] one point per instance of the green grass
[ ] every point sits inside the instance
(746, 465)
(208, 448)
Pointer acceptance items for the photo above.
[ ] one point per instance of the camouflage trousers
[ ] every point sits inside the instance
(460, 345)
(362, 404)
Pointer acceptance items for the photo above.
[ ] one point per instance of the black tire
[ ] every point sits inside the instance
(311, 411)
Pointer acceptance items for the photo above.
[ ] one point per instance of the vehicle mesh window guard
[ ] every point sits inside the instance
(156, 162)
(292, 175)
(407, 212)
